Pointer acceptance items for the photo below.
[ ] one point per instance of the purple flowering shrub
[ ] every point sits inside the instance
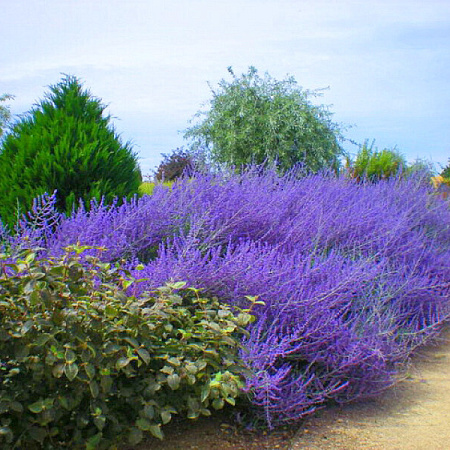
(353, 276)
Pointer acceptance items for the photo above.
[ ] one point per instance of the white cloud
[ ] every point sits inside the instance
(386, 61)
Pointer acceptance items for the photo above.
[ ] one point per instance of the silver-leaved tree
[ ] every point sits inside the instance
(254, 120)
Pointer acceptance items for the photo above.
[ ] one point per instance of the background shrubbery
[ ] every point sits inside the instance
(174, 165)
(373, 164)
(255, 120)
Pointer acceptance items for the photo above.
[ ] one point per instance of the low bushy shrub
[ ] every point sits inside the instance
(84, 365)
(373, 164)
(446, 171)
(354, 276)
(148, 187)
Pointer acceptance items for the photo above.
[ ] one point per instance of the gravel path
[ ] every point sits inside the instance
(414, 415)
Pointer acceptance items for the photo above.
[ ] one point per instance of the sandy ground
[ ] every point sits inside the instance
(413, 415)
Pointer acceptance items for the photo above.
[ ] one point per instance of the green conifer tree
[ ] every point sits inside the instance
(65, 143)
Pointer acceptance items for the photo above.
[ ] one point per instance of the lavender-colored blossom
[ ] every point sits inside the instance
(353, 276)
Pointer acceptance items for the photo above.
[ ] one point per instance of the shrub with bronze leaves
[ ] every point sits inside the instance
(173, 166)
(83, 364)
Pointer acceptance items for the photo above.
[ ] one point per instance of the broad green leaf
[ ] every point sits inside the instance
(36, 407)
(30, 258)
(156, 431)
(58, 370)
(48, 403)
(42, 340)
(90, 370)
(149, 411)
(222, 313)
(34, 298)
(174, 361)
(135, 436)
(143, 424)
(193, 414)
(111, 348)
(16, 406)
(218, 403)
(166, 416)
(144, 354)
(205, 393)
(26, 327)
(192, 368)
(70, 356)
(191, 379)
(214, 384)
(214, 326)
(93, 386)
(176, 285)
(167, 369)
(37, 433)
(122, 362)
(173, 381)
(100, 422)
(57, 352)
(230, 400)
(127, 283)
(111, 312)
(152, 387)
(65, 403)
(71, 371)
(92, 443)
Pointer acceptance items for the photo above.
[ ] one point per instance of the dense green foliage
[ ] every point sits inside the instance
(67, 144)
(148, 187)
(5, 113)
(256, 120)
(174, 165)
(446, 171)
(84, 364)
(374, 165)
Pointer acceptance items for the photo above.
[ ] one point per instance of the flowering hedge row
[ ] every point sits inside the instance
(353, 276)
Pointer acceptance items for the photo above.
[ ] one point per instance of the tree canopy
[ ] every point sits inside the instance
(65, 143)
(253, 120)
(5, 113)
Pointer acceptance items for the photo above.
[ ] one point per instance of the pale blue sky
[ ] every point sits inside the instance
(386, 62)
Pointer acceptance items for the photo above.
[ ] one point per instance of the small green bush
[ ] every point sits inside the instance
(374, 165)
(446, 171)
(84, 365)
(147, 187)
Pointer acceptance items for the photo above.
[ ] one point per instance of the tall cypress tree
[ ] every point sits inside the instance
(65, 143)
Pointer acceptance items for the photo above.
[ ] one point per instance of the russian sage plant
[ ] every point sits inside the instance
(353, 275)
